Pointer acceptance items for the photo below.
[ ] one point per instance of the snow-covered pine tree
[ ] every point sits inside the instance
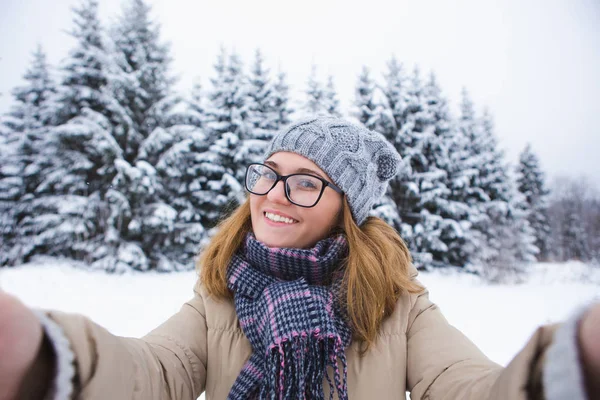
(227, 109)
(282, 109)
(394, 91)
(227, 126)
(593, 227)
(507, 240)
(531, 183)
(491, 182)
(23, 128)
(217, 118)
(200, 187)
(523, 248)
(416, 125)
(444, 220)
(140, 224)
(86, 70)
(315, 95)
(386, 209)
(574, 236)
(11, 192)
(372, 117)
(25, 123)
(330, 99)
(190, 109)
(260, 99)
(436, 234)
(404, 120)
(574, 219)
(185, 167)
(461, 206)
(261, 115)
(365, 106)
(197, 104)
(73, 164)
(146, 81)
(32, 100)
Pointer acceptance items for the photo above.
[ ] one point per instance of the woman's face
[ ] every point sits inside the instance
(309, 225)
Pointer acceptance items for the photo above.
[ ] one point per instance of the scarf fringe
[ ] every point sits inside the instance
(292, 376)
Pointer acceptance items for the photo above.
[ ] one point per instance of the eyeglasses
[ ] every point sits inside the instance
(300, 189)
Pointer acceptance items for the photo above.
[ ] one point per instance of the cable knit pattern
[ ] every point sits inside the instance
(562, 374)
(62, 387)
(359, 161)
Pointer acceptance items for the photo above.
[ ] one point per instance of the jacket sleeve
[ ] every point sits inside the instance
(168, 363)
(444, 364)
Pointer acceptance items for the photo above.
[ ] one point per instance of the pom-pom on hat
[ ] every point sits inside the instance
(359, 161)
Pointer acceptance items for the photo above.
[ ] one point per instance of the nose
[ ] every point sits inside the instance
(277, 194)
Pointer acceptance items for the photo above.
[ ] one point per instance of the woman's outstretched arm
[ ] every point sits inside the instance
(26, 358)
(444, 364)
(168, 363)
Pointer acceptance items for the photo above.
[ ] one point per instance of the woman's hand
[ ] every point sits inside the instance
(589, 342)
(25, 367)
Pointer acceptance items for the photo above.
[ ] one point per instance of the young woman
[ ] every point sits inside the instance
(301, 296)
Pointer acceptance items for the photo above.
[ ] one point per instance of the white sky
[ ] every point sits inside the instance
(534, 63)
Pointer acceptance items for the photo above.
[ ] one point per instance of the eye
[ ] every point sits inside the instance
(307, 183)
(268, 174)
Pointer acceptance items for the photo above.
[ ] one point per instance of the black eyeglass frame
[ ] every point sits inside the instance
(284, 179)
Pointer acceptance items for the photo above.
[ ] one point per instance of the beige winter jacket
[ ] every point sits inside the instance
(202, 349)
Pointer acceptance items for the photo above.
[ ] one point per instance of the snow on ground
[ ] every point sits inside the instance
(498, 318)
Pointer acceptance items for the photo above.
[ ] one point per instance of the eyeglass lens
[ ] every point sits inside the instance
(301, 189)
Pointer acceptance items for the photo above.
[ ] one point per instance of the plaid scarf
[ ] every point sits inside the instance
(285, 300)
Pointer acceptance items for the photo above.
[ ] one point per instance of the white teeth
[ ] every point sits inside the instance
(278, 218)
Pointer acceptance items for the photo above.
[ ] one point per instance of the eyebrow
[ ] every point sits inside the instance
(311, 171)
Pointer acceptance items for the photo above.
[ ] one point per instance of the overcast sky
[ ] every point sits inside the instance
(534, 63)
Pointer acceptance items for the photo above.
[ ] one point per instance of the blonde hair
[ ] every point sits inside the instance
(376, 275)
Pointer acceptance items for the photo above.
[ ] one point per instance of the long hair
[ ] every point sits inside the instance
(376, 275)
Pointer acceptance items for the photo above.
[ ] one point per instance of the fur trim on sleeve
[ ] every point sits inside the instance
(562, 372)
(62, 386)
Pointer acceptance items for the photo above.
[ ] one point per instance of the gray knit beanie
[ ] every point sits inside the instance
(359, 161)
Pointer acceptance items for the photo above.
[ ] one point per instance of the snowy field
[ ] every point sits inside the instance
(498, 318)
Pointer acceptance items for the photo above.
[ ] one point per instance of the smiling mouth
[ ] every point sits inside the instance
(279, 219)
